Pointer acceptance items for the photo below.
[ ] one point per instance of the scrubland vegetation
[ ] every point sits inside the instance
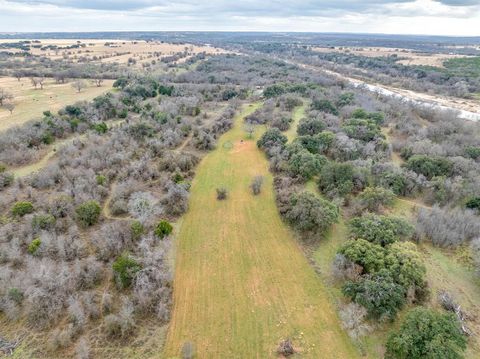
(241, 207)
(377, 268)
(458, 77)
(74, 270)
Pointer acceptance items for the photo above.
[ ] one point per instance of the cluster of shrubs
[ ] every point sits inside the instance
(447, 228)
(426, 333)
(206, 137)
(276, 112)
(60, 236)
(382, 273)
(22, 145)
(442, 152)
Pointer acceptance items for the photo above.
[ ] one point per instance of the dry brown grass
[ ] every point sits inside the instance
(411, 57)
(30, 102)
(119, 51)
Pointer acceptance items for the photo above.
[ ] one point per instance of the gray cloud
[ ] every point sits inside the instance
(92, 5)
(459, 2)
(251, 8)
(385, 16)
(243, 7)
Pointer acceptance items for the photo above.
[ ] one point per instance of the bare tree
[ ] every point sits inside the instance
(34, 81)
(97, 80)
(79, 85)
(250, 129)
(9, 106)
(353, 317)
(4, 96)
(256, 185)
(41, 82)
(18, 75)
(60, 77)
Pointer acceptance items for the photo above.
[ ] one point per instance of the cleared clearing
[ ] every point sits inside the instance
(30, 102)
(242, 284)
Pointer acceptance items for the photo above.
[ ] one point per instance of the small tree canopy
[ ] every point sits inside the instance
(88, 212)
(324, 106)
(382, 230)
(305, 164)
(379, 294)
(125, 268)
(310, 213)
(272, 137)
(372, 198)
(22, 208)
(310, 126)
(336, 179)
(430, 166)
(427, 334)
(163, 229)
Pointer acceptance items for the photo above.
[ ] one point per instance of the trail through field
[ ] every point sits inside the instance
(106, 211)
(413, 202)
(395, 156)
(297, 114)
(185, 142)
(242, 284)
(43, 162)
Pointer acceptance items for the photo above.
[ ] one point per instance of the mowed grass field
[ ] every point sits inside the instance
(242, 284)
(30, 102)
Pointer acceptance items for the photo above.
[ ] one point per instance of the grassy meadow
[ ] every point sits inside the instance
(242, 284)
(30, 102)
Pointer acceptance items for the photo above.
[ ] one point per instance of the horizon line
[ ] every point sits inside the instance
(13, 33)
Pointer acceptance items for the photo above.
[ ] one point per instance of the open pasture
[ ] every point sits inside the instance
(134, 53)
(30, 102)
(408, 57)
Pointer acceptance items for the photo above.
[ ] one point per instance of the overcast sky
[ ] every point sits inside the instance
(436, 17)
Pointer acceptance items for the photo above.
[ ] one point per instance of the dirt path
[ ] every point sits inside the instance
(242, 284)
(45, 160)
(413, 203)
(185, 143)
(107, 213)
